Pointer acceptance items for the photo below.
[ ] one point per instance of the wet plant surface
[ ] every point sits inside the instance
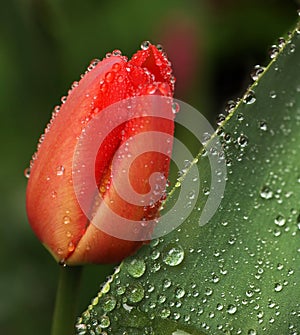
(239, 273)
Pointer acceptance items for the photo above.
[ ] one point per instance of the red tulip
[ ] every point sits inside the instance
(54, 210)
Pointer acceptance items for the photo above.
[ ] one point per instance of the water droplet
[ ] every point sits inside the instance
(60, 170)
(179, 292)
(230, 105)
(292, 48)
(136, 268)
(109, 303)
(279, 266)
(173, 255)
(242, 141)
(273, 95)
(249, 98)
(62, 263)
(63, 99)
(81, 329)
(120, 289)
(27, 172)
(256, 72)
(135, 293)
(116, 67)
(219, 307)
(266, 193)
(251, 332)
(104, 321)
(240, 117)
(263, 125)
(278, 287)
(109, 77)
(175, 107)
(167, 283)
(66, 219)
(117, 52)
(231, 309)
(71, 247)
(281, 42)
(280, 220)
(165, 313)
(120, 78)
(145, 45)
(220, 119)
(273, 51)
(160, 47)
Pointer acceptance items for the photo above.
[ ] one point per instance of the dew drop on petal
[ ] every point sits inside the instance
(145, 45)
(27, 172)
(60, 170)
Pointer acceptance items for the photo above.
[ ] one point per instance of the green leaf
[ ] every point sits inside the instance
(239, 273)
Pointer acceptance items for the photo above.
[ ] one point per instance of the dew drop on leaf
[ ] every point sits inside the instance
(266, 193)
(242, 141)
(280, 220)
(173, 254)
(109, 303)
(249, 98)
(273, 94)
(231, 309)
(136, 268)
(256, 72)
(263, 125)
(135, 293)
(273, 51)
(104, 321)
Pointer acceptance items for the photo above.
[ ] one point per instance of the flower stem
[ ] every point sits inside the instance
(66, 301)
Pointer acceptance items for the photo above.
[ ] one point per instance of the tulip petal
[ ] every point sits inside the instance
(53, 207)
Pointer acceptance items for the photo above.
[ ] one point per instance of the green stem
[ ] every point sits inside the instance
(66, 301)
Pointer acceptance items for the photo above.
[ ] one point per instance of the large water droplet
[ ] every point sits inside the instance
(179, 293)
(136, 268)
(135, 293)
(173, 254)
(104, 321)
(109, 303)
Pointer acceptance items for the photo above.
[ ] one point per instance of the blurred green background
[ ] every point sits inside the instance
(45, 45)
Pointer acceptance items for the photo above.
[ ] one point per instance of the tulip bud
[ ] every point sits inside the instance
(79, 218)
